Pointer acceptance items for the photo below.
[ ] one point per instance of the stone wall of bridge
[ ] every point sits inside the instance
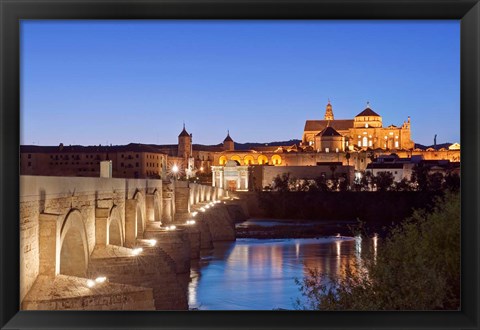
(77, 229)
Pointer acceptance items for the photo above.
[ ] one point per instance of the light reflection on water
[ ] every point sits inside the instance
(252, 274)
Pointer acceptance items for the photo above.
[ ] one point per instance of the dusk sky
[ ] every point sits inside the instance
(116, 82)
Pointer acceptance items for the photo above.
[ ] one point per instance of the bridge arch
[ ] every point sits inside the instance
(139, 213)
(157, 206)
(73, 253)
(115, 228)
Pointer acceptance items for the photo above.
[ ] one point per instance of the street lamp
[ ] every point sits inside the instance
(175, 170)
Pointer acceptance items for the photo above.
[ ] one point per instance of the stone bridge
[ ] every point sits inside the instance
(115, 244)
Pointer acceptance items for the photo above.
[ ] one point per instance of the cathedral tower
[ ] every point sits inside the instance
(228, 144)
(329, 112)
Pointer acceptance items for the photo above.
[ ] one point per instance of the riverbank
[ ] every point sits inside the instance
(278, 229)
(332, 212)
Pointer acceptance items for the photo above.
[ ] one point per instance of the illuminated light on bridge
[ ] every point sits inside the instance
(100, 279)
(152, 242)
(90, 283)
(190, 222)
(194, 214)
(136, 251)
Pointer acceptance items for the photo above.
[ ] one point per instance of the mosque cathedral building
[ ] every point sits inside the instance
(364, 131)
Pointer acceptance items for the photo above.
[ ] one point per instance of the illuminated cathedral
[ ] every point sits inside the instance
(364, 131)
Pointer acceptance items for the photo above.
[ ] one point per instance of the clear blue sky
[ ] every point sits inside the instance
(98, 82)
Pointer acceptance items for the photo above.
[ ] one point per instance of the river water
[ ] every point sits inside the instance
(259, 274)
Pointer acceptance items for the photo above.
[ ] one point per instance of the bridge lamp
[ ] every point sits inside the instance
(90, 283)
(202, 209)
(207, 206)
(100, 279)
(175, 170)
(137, 251)
(194, 214)
(152, 242)
(190, 222)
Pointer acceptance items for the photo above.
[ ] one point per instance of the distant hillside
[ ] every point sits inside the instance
(250, 145)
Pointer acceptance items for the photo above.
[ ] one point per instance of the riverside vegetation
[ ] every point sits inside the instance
(417, 268)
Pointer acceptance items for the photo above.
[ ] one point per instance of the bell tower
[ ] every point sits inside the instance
(184, 144)
(329, 112)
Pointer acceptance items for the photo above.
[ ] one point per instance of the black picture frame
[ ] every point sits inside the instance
(12, 11)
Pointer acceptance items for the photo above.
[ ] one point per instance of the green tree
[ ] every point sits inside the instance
(403, 185)
(384, 181)
(435, 181)
(452, 182)
(281, 183)
(420, 177)
(321, 183)
(366, 181)
(417, 268)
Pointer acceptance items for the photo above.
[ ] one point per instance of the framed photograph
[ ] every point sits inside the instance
(238, 164)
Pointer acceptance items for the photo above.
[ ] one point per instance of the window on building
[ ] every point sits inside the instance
(365, 141)
(370, 143)
(336, 149)
(136, 155)
(327, 149)
(29, 163)
(359, 143)
(396, 144)
(29, 156)
(137, 165)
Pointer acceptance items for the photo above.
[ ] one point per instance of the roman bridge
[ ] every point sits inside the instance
(108, 243)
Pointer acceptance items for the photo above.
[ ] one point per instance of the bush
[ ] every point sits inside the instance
(416, 268)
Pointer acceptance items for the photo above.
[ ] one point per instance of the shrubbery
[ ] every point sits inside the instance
(417, 268)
